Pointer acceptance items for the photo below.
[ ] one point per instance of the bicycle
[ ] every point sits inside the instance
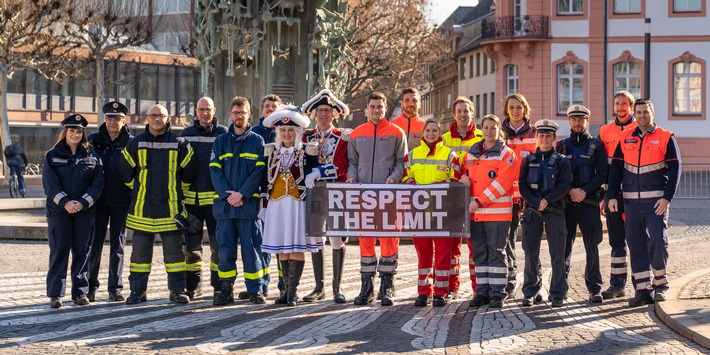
(14, 186)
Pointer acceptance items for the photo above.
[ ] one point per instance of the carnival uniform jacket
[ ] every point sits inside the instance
(333, 155)
(492, 173)
(155, 166)
(201, 192)
(68, 177)
(459, 144)
(111, 152)
(412, 127)
(428, 165)
(523, 143)
(376, 152)
(237, 164)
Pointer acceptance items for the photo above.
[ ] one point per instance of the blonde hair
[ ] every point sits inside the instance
(63, 137)
(496, 120)
(298, 144)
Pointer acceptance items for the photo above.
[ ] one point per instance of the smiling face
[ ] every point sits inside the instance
(376, 109)
(410, 105)
(205, 111)
(491, 131)
(623, 108)
(288, 135)
(431, 133)
(74, 136)
(644, 116)
(545, 140)
(515, 111)
(463, 115)
(324, 116)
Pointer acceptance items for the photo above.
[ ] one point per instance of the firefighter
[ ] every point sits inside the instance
(73, 180)
(588, 162)
(544, 181)
(490, 171)
(647, 162)
(615, 223)
(409, 121)
(520, 137)
(330, 145)
(199, 197)
(237, 167)
(155, 163)
(432, 162)
(109, 142)
(461, 136)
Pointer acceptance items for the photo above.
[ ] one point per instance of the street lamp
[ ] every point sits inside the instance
(647, 58)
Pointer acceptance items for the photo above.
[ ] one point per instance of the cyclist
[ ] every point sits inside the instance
(13, 154)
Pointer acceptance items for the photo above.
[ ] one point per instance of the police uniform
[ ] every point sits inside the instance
(544, 175)
(615, 221)
(155, 167)
(71, 177)
(330, 148)
(648, 166)
(522, 141)
(199, 198)
(112, 206)
(588, 162)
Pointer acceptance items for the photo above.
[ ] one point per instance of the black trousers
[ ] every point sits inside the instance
(193, 247)
(142, 257)
(555, 230)
(67, 234)
(588, 218)
(117, 242)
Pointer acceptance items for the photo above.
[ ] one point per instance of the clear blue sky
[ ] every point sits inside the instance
(441, 9)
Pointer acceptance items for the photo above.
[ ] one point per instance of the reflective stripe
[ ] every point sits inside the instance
(193, 266)
(187, 158)
(501, 210)
(642, 285)
(172, 182)
(425, 271)
(618, 259)
(158, 145)
(454, 261)
(661, 272)
(200, 139)
(659, 282)
(142, 178)
(175, 267)
(442, 273)
(58, 197)
(151, 225)
(497, 280)
(216, 165)
(227, 274)
(441, 284)
(497, 186)
(497, 269)
(137, 267)
(618, 270)
(88, 199)
(642, 194)
(260, 163)
(482, 269)
(129, 158)
(454, 271)
(226, 155)
(645, 169)
(425, 282)
(214, 267)
(253, 275)
(428, 162)
(642, 275)
(248, 155)
(481, 280)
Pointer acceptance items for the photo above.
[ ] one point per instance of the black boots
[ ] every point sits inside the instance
(193, 284)
(295, 270)
(338, 266)
(317, 293)
(225, 295)
(367, 291)
(179, 296)
(284, 270)
(387, 289)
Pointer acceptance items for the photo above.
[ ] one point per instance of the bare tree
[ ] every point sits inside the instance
(392, 46)
(32, 38)
(103, 27)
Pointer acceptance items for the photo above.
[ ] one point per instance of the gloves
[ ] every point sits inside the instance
(311, 178)
(262, 214)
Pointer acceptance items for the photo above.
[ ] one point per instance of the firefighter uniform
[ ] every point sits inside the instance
(615, 221)
(522, 142)
(199, 198)
(112, 206)
(460, 145)
(70, 176)
(544, 175)
(428, 164)
(588, 162)
(648, 167)
(237, 164)
(156, 166)
(491, 172)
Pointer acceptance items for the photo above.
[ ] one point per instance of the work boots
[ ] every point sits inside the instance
(367, 291)
(283, 298)
(387, 289)
(193, 284)
(338, 266)
(295, 270)
(179, 296)
(225, 295)
(317, 293)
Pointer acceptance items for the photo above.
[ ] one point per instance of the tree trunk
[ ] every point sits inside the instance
(99, 63)
(5, 127)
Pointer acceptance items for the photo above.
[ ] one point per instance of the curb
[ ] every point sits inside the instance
(675, 316)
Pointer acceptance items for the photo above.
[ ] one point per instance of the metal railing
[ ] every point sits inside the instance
(511, 27)
(694, 181)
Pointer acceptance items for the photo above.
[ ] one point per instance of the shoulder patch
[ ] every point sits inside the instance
(212, 155)
(510, 161)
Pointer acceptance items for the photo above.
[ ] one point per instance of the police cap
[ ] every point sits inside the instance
(75, 120)
(547, 126)
(115, 108)
(578, 111)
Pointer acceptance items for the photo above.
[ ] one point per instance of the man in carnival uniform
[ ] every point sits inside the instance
(330, 145)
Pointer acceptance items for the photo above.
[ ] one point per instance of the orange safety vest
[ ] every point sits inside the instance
(523, 145)
(609, 134)
(645, 167)
(492, 174)
(422, 168)
(412, 127)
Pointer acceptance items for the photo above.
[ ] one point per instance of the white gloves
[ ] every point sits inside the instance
(311, 178)
(262, 214)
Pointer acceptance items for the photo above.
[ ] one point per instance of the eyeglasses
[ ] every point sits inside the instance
(324, 110)
(239, 113)
(155, 116)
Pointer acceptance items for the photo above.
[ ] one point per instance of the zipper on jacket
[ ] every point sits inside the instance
(638, 168)
(374, 144)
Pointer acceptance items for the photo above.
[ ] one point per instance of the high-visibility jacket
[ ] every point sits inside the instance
(201, 192)
(609, 134)
(492, 173)
(376, 152)
(647, 165)
(523, 143)
(412, 127)
(459, 144)
(156, 165)
(427, 164)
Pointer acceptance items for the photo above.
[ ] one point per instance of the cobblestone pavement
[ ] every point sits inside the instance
(28, 325)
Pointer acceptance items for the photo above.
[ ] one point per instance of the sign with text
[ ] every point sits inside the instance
(387, 210)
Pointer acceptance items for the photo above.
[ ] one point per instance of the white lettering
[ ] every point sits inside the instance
(335, 218)
(352, 201)
(385, 198)
(413, 220)
(403, 202)
(422, 196)
(368, 220)
(335, 199)
(438, 198)
(369, 200)
(439, 217)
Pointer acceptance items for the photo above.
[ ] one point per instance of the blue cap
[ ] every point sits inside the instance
(75, 120)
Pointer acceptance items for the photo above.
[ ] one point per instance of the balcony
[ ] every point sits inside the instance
(505, 27)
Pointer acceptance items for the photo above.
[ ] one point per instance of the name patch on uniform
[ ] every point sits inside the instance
(60, 160)
(386, 139)
(655, 142)
(631, 140)
(212, 155)
(442, 167)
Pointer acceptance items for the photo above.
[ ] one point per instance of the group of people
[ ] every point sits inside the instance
(248, 185)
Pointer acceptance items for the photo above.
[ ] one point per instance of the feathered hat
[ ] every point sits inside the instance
(287, 115)
(325, 97)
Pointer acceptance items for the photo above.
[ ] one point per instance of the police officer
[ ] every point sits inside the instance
(588, 162)
(73, 180)
(200, 196)
(156, 162)
(545, 179)
(109, 142)
(648, 162)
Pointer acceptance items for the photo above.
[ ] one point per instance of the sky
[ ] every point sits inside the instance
(441, 9)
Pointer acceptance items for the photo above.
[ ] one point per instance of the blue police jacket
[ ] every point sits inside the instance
(110, 151)
(587, 158)
(545, 175)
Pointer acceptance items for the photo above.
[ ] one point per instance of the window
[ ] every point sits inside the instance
(478, 64)
(493, 101)
(627, 6)
(570, 89)
(687, 88)
(172, 42)
(485, 64)
(171, 6)
(485, 105)
(478, 106)
(16, 85)
(569, 7)
(470, 66)
(627, 76)
(511, 79)
(462, 69)
(687, 5)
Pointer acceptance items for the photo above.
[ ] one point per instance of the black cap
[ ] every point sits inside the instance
(75, 120)
(115, 108)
